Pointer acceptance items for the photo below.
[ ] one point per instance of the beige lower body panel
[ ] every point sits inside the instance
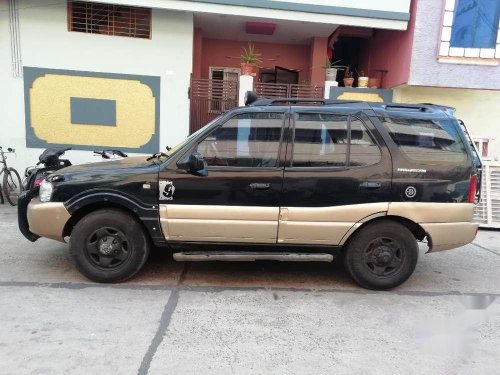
(204, 223)
(323, 225)
(446, 236)
(448, 224)
(429, 212)
(47, 219)
(312, 233)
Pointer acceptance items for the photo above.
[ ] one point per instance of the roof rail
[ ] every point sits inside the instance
(268, 102)
(417, 107)
(440, 106)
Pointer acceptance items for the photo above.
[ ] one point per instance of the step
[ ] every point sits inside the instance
(244, 256)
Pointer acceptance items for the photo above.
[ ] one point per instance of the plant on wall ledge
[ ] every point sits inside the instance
(348, 77)
(331, 69)
(250, 59)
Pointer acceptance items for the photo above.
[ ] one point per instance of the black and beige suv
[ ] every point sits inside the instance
(279, 179)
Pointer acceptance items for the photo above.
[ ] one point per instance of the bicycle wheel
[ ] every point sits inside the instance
(12, 186)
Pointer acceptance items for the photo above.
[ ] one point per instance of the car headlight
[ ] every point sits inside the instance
(46, 190)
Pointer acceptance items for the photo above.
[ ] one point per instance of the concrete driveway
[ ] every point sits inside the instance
(246, 318)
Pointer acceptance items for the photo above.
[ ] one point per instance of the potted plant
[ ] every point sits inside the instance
(249, 60)
(374, 83)
(362, 80)
(331, 69)
(348, 77)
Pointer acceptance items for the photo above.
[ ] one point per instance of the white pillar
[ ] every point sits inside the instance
(328, 85)
(246, 84)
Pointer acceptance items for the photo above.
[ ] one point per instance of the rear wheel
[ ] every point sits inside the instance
(382, 255)
(12, 186)
(108, 246)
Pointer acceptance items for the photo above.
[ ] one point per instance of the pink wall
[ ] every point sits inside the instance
(215, 52)
(391, 50)
(317, 60)
(197, 50)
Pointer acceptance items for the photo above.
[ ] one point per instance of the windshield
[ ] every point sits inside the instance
(165, 155)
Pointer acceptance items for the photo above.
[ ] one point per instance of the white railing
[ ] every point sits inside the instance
(487, 212)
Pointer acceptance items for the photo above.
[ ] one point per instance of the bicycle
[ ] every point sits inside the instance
(11, 184)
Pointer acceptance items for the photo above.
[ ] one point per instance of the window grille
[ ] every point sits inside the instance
(108, 19)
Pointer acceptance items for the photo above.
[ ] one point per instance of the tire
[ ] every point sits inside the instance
(12, 186)
(109, 246)
(382, 255)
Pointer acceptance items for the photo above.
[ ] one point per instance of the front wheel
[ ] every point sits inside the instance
(109, 246)
(382, 255)
(12, 186)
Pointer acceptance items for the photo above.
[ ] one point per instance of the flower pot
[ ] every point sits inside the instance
(248, 69)
(363, 82)
(348, 82)
(374, 83)
(331, 74)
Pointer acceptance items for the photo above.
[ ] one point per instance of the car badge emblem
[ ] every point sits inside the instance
(410, 192)
(167, 190)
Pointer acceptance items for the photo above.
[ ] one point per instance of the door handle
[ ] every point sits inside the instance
(370, 185)
(259, 186)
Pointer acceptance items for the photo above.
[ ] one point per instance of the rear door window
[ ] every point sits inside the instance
(331, 140)
(426, 140)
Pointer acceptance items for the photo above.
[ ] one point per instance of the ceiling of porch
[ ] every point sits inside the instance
(220, 26)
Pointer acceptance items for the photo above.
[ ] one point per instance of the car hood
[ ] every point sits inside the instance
(125, 163)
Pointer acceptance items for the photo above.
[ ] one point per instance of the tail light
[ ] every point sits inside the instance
(38, 181)
(472, 188)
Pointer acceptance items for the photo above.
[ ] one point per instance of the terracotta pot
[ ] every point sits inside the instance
(348, 82)
(363, 82)
(331, 74)
(248, 69)
(374, 83)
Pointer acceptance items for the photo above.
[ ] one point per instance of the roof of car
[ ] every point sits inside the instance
(319, 102)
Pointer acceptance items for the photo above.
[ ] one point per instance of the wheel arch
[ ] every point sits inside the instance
(416, 229)
(84, 210)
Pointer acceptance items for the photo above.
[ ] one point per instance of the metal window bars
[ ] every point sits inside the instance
(109, 19)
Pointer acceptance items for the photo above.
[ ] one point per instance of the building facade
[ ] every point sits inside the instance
(92, 75)
(450, 55)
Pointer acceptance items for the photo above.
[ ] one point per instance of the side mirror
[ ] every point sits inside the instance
(194, 163)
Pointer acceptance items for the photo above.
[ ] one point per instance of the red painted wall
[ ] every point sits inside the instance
(215, 52)
(317, 60)
(391, 50)
(197, 50)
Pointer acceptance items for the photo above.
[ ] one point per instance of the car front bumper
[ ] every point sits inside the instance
(22, 214)
(38, 219)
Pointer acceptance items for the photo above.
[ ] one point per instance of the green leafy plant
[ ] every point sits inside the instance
(348, 73)
(250, 56)
(333, 64)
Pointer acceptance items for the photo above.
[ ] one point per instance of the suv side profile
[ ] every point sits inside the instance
(278, 179)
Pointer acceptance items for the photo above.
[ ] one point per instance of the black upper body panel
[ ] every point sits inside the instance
(387, 178)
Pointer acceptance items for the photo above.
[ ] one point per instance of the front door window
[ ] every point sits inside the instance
(250, 140)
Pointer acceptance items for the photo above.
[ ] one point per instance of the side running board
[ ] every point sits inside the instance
(242, 256)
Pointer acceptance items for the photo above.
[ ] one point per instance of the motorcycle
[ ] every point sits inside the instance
(48, 162)
(51, 161)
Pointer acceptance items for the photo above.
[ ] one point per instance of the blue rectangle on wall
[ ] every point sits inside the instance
(93, 111)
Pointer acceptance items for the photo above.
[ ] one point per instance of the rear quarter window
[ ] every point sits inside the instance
(427, 141)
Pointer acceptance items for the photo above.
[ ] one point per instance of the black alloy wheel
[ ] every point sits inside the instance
(109, 245)
(381, 255)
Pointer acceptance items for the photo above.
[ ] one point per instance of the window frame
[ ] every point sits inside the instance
(430, 118)
(454, 23)
(447, 54)
(357, 116)
(279, 164)
(69, 10)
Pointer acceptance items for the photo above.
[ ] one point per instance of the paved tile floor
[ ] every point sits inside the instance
(246, 318)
